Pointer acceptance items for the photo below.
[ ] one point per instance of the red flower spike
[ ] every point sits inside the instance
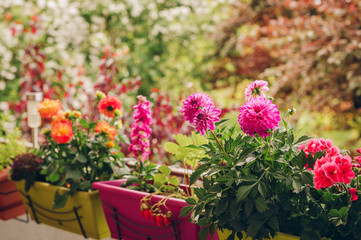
(146, 213)
(160, 221)
(167, 221)
(153, 216)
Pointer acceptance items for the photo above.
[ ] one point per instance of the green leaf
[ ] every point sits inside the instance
(186, 211)
(73, 173)
(165, 170)
(159, 180)
(256, 223)
(262, 189)
(197, 173)
(83, 123)
(300, 160)
(84, 186)
(290, 139)
(199, 139)
(183, 140)
(261, 204)
(174, 181)
(191, 201)
(203, 233)
(319, 154)
(302, 139)
(60, 199)
(171, 147)
(221, 206)
(248, 207)
(81, 158)
(54, 177)
(243, 192)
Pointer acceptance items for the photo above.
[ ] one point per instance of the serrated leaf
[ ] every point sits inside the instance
(203, 233)
(191, 201)
(243, 192)
(302, 139)
(248, 207)
(174, 181)
(261, 204)
(183, 140)
(199, 139)
(262, 189)
(171, 147)
(256, 223)
(165, 170)
(83, 123)
(159, 180)
(186, 211)
(221, 206)
(196, 174)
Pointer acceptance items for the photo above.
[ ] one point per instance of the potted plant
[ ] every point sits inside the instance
(11, 205)
(147, 204)
(259, 179)
(76, 153)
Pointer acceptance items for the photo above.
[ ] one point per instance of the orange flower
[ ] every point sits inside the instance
(110, 144)
(104, 127)
(48, 108)
(62, 132)
(59, 117)
(108, 105)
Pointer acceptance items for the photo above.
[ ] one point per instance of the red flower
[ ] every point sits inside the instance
(353, 192)
(108, 105)
(104, 127)
(62, 132)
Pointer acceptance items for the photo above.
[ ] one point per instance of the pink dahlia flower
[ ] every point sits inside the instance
(258, 116)
(353, 192)
(256, 89)
(141, 130)
(205, 119)
(193, 104)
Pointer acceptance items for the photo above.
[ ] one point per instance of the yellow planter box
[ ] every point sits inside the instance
(223, 235)
(82, 214)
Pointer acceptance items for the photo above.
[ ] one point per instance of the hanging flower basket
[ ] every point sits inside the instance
(11, 205)
(82, 213)
(122, 211)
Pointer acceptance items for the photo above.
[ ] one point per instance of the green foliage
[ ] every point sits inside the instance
(187, 148)
(264, 187)
(89, 156)
(10, 143)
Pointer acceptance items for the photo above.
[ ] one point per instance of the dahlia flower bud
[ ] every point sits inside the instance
(100, 95)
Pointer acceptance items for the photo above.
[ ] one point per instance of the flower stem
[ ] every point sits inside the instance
(218, 143)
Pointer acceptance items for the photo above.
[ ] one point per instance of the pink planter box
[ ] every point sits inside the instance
(121, 206)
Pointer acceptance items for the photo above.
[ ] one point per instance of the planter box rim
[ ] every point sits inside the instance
(108, 185)
(45, 185)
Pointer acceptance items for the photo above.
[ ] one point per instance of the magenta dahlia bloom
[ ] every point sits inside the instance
(256, 89)
(205, 119)
(199, 110)
(141, 130)
(258, 116)
(193, 104)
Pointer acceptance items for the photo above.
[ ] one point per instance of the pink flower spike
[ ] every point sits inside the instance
(353, 192)
(205, 119)
(256, 89)
(141, 130)
(259, 116)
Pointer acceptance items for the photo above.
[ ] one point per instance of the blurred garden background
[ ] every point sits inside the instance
(308, 50)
